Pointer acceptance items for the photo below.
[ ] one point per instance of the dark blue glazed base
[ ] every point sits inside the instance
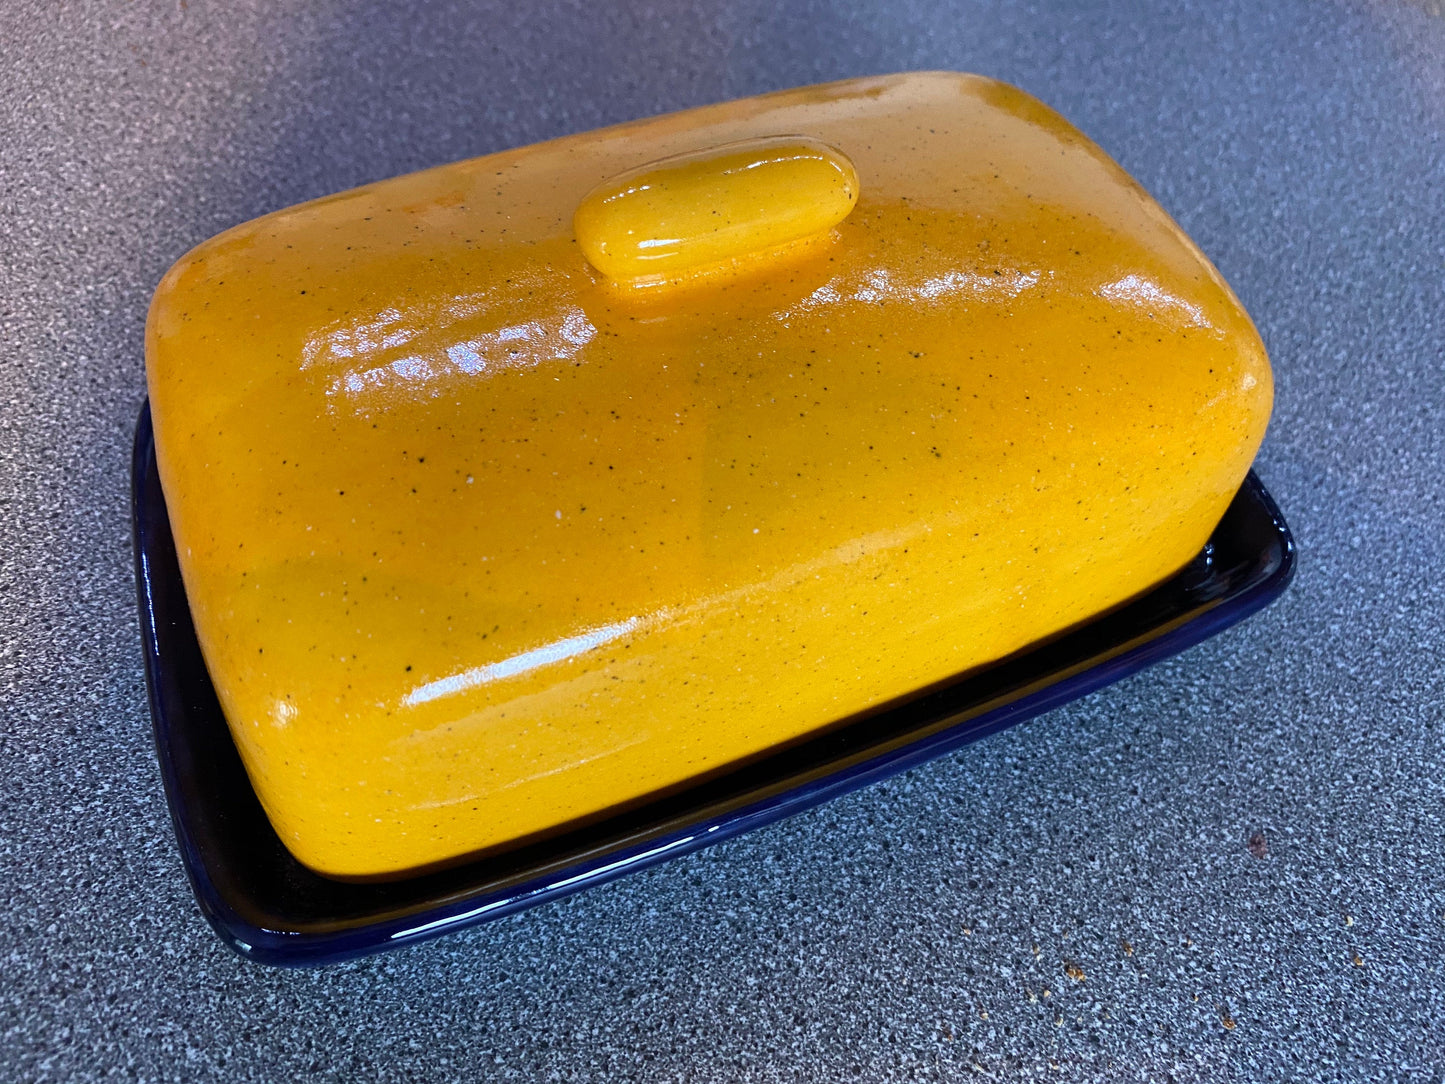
(271, 908)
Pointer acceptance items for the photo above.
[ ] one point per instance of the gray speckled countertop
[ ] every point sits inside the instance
(918, 930)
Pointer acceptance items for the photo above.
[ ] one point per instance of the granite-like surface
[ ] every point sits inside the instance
(920, 930)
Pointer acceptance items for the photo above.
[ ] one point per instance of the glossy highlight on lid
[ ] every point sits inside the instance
(703, 208)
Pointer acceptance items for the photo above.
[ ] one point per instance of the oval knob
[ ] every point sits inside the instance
(684, 213)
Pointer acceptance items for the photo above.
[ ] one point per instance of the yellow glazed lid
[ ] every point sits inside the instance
(512, 492)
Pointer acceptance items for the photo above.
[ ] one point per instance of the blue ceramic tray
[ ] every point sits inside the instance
(271, 908)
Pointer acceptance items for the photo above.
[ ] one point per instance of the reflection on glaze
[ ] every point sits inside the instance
(1140, 292)
(527, 661)
(379, 353)
(749, 594)
(706, 207)
(882, 284)
(523, 345)
(283, 712)
(478, 543)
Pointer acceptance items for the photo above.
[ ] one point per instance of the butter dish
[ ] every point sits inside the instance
(527, 489)
(541, 514)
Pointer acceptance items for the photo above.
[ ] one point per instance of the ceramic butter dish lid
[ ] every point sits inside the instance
(522, 492)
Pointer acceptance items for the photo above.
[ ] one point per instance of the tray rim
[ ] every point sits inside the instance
(277, 944)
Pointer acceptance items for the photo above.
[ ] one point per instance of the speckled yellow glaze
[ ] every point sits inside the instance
(478, 544)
